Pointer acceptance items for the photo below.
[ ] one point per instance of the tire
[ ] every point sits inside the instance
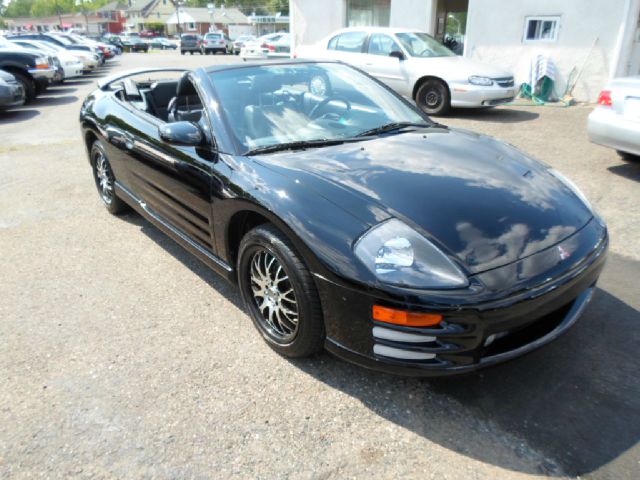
(433, 97)
(28, 84)
(181, 52)
(101, 173)
(295, 293)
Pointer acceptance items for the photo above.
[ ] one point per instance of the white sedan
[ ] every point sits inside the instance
(417, 66)
(258, 49)
(615, 122)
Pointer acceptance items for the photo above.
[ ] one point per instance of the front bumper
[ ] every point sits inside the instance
(73, 70)
(465, 95)
(505, 313)
(43, 75)
(608, 128)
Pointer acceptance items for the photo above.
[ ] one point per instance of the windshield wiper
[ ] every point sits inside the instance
(391, 127)
(298, 145)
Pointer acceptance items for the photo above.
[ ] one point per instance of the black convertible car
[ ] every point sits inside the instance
(348, 218)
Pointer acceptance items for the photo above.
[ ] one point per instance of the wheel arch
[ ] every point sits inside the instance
(424, 79)
(247, 215)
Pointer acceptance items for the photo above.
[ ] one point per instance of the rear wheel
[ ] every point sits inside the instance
(628, 156)
(433, 97)
(105, 180)
(279, 293)
(28, 84)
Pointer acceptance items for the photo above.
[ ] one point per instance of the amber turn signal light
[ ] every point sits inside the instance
(405, 318)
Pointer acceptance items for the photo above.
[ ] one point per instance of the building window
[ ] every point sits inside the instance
(191, 26)
(541, 29)
(365, 13)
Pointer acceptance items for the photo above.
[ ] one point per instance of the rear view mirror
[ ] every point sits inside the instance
(397, 54)
(187, 134)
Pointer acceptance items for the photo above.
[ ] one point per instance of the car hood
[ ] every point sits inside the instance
(454, 67)
(482, 201)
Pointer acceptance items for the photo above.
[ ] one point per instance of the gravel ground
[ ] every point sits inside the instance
(124, 357)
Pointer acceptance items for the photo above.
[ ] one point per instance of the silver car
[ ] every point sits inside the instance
(615, 122)
(417, 66)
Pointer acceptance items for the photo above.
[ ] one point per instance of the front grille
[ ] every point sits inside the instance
(505, 82)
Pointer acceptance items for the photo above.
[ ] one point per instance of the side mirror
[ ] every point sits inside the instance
(187, 134)
(397, 54)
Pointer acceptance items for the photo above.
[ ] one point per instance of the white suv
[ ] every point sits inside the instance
(214, 43)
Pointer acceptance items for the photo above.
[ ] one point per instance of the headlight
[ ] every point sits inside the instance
(571, 186)
(398, 255)
(484, 81)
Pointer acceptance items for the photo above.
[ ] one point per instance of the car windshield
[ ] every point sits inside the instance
(62, 40)
(281, 104)
(213, 35)
(423, 45)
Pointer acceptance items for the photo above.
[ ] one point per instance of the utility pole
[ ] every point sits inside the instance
(80, 3)
(178, 4)
(58, 13)
(211, 7)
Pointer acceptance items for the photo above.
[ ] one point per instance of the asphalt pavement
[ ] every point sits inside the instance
(122, 356)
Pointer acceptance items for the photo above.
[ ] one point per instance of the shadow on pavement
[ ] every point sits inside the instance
(84, 81)
(15, 116)
(497, 115)
(576, 401)
(630, 169)
(57, 90)
(229, 291)
(47, 101)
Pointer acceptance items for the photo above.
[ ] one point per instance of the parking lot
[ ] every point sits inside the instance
(124, 357)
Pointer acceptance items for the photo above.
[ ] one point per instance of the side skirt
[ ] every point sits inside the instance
(212, 261)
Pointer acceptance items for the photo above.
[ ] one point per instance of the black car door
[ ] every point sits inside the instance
(173, 182)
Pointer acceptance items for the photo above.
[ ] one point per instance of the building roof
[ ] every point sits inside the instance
(201, 15)
(112, 6)
(140, 5)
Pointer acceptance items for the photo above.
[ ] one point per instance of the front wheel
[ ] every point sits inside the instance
(433, 97)
(28, 85)
(279, 293)
(105, 180)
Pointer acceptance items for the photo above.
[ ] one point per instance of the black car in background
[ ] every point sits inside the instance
(190, 42)
(11, 91)
(349, 219)
(32, 70)
(134, 44)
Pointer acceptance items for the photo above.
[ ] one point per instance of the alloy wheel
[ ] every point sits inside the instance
(104, 178)
(274, 296)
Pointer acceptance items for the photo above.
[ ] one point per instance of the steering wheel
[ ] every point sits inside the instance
(424, 51)
(314, 111)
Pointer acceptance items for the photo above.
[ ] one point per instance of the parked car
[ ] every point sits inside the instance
(214, 42)
(259, 48)
(280, 48)
(11, 91)
(417, 66)
(162, 43)
(134, 44)
(71, 65)
(32, 70)
(240, 41)
(189, 43)
(615, 122)
(107, 49)
(350, 220)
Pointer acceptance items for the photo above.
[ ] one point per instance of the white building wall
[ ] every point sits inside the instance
(495, 31)
(312, 20)
(418, 14)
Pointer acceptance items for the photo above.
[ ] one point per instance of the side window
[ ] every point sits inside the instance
(351, 42)
(380, 44)
(333, 43)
